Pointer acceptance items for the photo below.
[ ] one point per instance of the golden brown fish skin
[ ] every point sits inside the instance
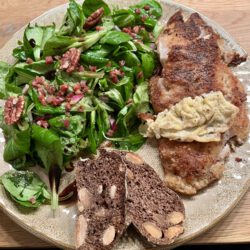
(193, 66)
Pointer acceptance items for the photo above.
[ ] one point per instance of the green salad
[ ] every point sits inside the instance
(75, 86)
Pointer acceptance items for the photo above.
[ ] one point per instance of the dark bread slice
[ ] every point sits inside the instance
(101, 199)
(156, 211)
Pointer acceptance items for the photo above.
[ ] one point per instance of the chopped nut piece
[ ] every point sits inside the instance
(13, 109)
(94, 18)
(108, 236)
(152, 229)
(70, 59)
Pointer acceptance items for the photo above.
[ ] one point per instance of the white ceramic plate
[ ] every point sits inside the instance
(202, 211)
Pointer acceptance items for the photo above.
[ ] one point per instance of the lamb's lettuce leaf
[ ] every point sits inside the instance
(90, 6)
(73, 20)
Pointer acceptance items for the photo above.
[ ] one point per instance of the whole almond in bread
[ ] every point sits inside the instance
(118, 189)
(101, 199)
(156, 211)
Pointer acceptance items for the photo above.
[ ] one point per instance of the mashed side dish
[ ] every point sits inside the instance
(201, 119)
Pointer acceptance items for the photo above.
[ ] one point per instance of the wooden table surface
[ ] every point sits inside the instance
(233, 15)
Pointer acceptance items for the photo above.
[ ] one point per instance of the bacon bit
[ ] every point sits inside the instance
(238, 159)
(41, 91)
(114, 75)
(127, 30)
(137, 29)
(49, 88)
(98, 28)
(69, 96)
(140, 75)
(32, 200)
(144, 18)
(13, 109)
(122, 63)
(39, 80)
(80, 68)
(42, 100)
(64, 88)
(66, 123)
(93, 68)
(29, 60)
(49, 60)
(70, 59)
(133, 35)
(114, 78)
(146, 7)
(54, 101)
(77, 86)
(42, 123)
(137, 11)
(67, 106)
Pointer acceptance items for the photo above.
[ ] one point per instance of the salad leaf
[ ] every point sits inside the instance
(58, 44)
(18, 144)
(115, 97)
(27, 72)
(141, 93)
(155, 7)
(4, 70)
(90, 6)
(25, 188)
(148, 64)
(73, 20)
(115, 38)
(124, 18)
(41, 109)
(74, 124)
(48, 147)
(131, 142)
(96, 56)
(35, 39)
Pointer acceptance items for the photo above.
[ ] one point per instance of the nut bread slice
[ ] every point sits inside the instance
(156, 211)
(101, 199)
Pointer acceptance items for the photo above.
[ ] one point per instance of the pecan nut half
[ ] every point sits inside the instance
(94, 18)
(70, 59)
(13, 109)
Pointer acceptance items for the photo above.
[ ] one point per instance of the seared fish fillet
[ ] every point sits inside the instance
(193, 64)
